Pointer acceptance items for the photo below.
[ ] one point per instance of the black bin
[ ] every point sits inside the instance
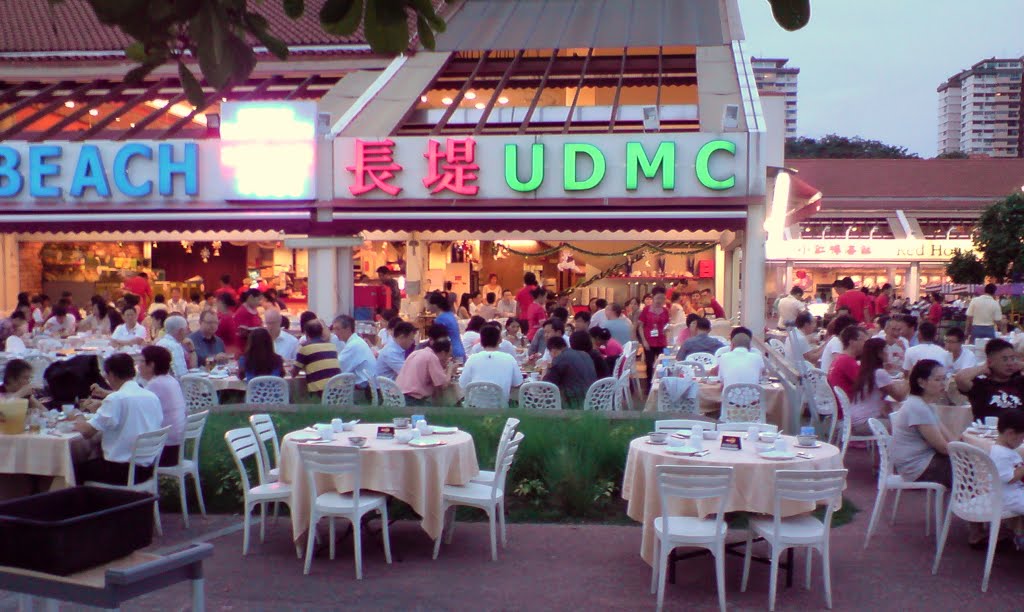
(71, 530)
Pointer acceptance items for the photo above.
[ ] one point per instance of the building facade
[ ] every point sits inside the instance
(980, 110)
(774, 77)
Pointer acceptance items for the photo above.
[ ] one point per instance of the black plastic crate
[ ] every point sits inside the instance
(73, 529)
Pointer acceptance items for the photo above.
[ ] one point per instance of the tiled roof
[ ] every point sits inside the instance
(911, 178)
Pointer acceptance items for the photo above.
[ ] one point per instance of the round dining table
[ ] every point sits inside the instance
(752, 488)
(415, 475)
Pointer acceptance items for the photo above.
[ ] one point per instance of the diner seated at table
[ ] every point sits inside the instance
(227, 328)
(491, 364)
(571, 370)
(609, 347)
(98, 320)
(742, 364)
(996, 384)
(392, 355)
(60, 324)
(834, 346)
(195, 306)
(514, 333)
(961, 359)
(155, 324)
(846, 365)
(471, 336)
(18, 383)
(318, 358)
(868, 386)
(177, 303)
(426, 372)
(504, 346)
(689, 328)
(357, 357)
(579, 340)
(489, 309)
(155, 371)
(507, 305)
(131, 332)
(285, 344)
(552, 328)
(121, 417)
(434, 333)
(702, 342)
(895, 344)
(259, 357)
(1010, 467)
(385, 333)
(40, 305)
(802, 343)
(208, 346)
(308, 316)
(581, 321)
(15, 343)
(159, 303)
(466, 307)
(536, 312)
(620, 325)
(175, 340)
(926, 348)
(918, 449)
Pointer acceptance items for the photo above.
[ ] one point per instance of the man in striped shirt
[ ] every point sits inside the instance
(318, 358)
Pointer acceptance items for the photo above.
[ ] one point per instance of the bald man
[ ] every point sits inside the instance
(742, 364)
(285, 344)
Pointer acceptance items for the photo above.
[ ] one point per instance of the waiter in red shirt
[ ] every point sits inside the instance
(247, 317)
(525, 296)
(883, 300)
(227, 329)
(650, 328)
(138, 285)
(225, 286)
(852, 300)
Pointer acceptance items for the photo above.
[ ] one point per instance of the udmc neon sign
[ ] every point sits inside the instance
(637, 163)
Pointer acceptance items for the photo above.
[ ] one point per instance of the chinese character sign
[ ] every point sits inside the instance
(375, 163)
(451, 169)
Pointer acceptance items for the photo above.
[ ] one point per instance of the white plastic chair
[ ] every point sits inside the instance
(263, 426)
(623, 393)
(242, 443)
(39, 364)
(725, 349)
(540, 395)
(889, 480)
(391, 395)
(341, 461)
(841, 429)
(777, 346)
(743, 402)
(629, 353)
(194, 424)
(147, 447)
(601, 395)
(489, 498)
(688, 405)
(697, 368)
(844, 402)
(340, 390)
(678, 424)
(484, 395)
(199, 392)
(816, 394)
(507, 433)
(267, 390)
(742, 426)
(977, 496)
(371, 383)
(691, 482)
(804, 530)
(707, 360)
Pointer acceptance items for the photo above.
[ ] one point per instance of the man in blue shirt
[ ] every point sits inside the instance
(209, 347)
(703, 342)
(392, 356)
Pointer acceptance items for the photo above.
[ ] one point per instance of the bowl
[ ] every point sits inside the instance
(762, 447)
(348, 426)
(806, 440)
(658, 437)
(768, 436)
(357, 441)
(403, 437)
(711, 434)
(401, 422)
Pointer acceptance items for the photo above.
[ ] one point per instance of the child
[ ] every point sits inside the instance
(1011, 466)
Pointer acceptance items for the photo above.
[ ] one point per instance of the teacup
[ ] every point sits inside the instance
(403, 437)
(768, 436)
(782, 445)
(357, 441)
(711, 434)
(658, 437)
(325, 431)
(806, 440)
(401, 422)
(337, 425)
(348, 426)
(991, 422)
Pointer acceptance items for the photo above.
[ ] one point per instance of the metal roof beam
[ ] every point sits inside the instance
(125, 108)
(37, 98)
(45, 110)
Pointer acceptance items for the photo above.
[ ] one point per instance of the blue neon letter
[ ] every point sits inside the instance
(122, 180)
(188, 167)
(39, 169)
(89, 173)
(10, 179)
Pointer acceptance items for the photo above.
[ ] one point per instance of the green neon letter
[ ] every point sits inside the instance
(536, 168)
(664, 158)
(571, 182)
(703, 159)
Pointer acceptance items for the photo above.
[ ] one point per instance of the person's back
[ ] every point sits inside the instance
(493, 366)
(740, 365)
(318, 358)
(701, 343)
(129, 409)
(620, 329)
(573, 371)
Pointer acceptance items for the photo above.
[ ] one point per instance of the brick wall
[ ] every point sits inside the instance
(30, 266)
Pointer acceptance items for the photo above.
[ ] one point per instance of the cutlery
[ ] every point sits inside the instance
(803, 455)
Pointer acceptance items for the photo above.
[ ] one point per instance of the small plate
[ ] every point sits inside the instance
(684, 450)
(444, 431)
(650, 441)
(305, 436)
(426, 442)
(816, 444)
(777, 455)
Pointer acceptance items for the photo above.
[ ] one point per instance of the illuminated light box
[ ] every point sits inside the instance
(268, 150)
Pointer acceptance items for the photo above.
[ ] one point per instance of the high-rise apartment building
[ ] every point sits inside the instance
(774, 77)
(980, 110)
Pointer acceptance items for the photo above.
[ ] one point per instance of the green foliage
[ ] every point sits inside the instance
(1000, 237)
(841, 147)
(965, 268)
(952, 155)
(791, 14)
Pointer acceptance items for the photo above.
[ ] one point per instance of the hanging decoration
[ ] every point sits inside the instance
(667, 248)
(216, 248)
(567, 262)
(205, 254)
(609, 272)
(632, 256)
(187, 245)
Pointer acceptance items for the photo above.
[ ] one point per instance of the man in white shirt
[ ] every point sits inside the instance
(961, 359)
(895, 344)
(983, 314)
(285, 344)
(507, 305)
(129, 333)
(790, 306)
(121, 416)
(491, 364)
(60, 324)
(741, 364)
(177, 304)
(799, 344)
(598, 318)
(926, 348)
(175, 331)
(357, 357)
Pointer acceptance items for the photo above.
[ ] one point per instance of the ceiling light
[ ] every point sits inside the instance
(93, 112)
(132, 125)
(480, 105)
(471, 95)
(446, 100)
(502, 100)
(159, 103)
(423, 99)
(69, 104)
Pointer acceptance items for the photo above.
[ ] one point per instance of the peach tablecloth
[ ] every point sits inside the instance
(710, 397)
(42, 454)
(954, 418)
(414, 475)
(752, 489)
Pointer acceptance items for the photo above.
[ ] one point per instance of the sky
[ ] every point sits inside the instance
(870, 68)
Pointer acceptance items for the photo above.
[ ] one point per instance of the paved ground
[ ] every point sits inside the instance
(565, 567)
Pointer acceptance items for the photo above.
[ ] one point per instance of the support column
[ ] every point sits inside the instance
(323, 270)
(330, 273)
(787, 280)
(10, 280)
(754, 262)
(346, 282)
(914, 281)
(730, 293)
(415, 273)
(720, 283)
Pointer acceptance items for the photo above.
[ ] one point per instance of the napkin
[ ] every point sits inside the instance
(677, 390)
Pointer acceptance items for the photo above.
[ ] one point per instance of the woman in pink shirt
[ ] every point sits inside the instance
(155, 370)
(609, 347)
(525, 296)
(536, 313)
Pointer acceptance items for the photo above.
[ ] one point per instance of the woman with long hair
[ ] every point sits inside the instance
(919, 440)
(870, 387)
(463, 310)
(259, 358)
(631, 310)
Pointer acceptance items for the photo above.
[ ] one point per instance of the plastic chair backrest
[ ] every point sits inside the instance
(340, 390)
(843, 432)
(725, 349)
(194, 425)
(540, 395)
(694, 482)
(777, 346)
(977, 494)
(708, 360)
(501, 469)
(808, 486)
(688, 405)
(263, 426)
(623, 399)
(745, 426)
(39, 364)
(677, 424)
(601, 395)
(242, 443)
(843, 403)
(484, 395)
(743, 402)
(199, 392)
(334, 461)
(507, 433)
(148, 446)
(391, 395)
(267, 390)
(696, 367)
(883, 440)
